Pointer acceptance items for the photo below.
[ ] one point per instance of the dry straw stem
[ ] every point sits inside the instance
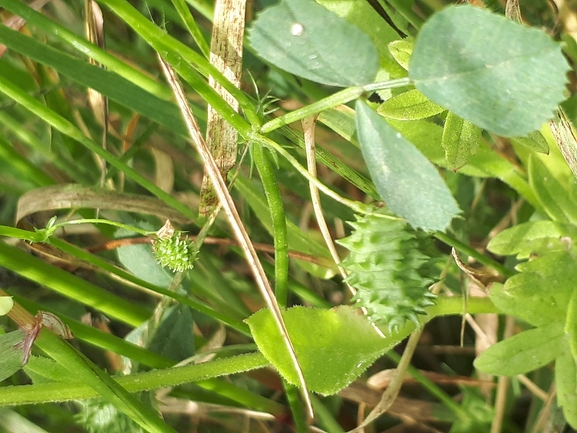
(94, 22)
(226, 55)
(234, 219)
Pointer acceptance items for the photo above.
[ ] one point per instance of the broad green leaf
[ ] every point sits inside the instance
(540, 292)
(552, 195)
(6, 304)
(486, 163)
(362, 15)
(497, 74)
(333, 346)
(411, 105)
(401, 51)
(426, 136)
(523, 352)
(174, 338)
(535, 237)
(140, 261)
(305, 39)
(12, 353)
(534, 141)
(410, 185)
(460, 140)
(566, 381)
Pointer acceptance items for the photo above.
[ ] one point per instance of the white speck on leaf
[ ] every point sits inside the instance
(297, 29)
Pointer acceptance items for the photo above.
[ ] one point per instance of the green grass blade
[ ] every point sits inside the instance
(174, 52)
(86, 371)
(104, 265)
(71, 286)
(29, 394)
(108, 83)
(192, 26)
(86, 48)
(67, 128)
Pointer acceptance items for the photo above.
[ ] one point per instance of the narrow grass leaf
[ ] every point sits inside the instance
(305, 39)
(410, 185)
(108, 83)
(71, 286)
(499, 75)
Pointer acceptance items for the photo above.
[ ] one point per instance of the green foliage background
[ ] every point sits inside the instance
(456, 130)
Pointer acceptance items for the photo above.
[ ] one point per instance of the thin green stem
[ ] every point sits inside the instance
(325, 418)
(481, 258)
(24, 235)
(296, 406)
(354, 205)
(55, 227)
(433, 389)
(279, 227)
(64, 391)
(331, 101)
(71, 286)
(100, 382)
(192, 26)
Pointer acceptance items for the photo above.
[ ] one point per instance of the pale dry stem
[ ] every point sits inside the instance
(235, 223)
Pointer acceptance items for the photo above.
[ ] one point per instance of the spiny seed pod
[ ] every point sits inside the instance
(172, 250)
(388, 269)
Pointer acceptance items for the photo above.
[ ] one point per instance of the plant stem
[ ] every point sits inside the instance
(279, 228)
(83, 369)
(332, 101)
(192, 26)
(481, 258)
(99, 221)
(64, 391)
(433, 388)
(296, 406)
